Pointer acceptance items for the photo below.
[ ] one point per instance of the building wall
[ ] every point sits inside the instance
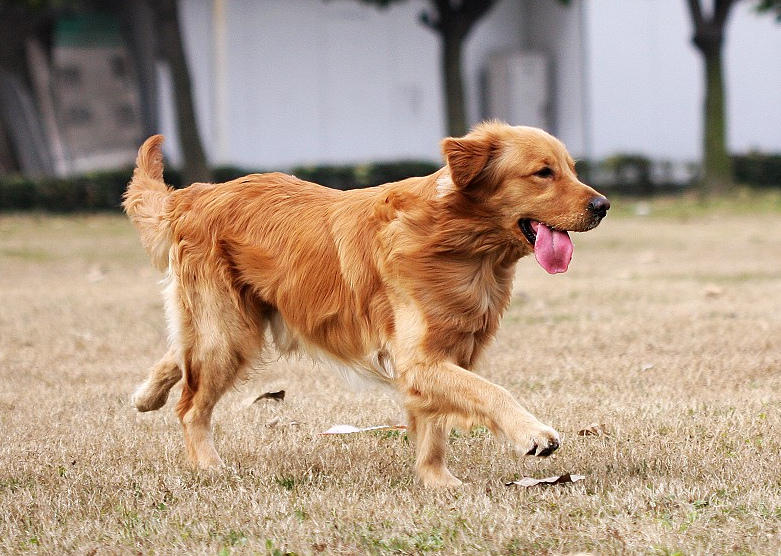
(500, 32)
(557, 30)
(306, 81)
(286, 82)
(646, 79)
(281, 83)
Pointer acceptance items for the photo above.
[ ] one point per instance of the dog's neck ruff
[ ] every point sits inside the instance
(445, 186)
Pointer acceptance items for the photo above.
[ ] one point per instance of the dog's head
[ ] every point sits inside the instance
(526, 178)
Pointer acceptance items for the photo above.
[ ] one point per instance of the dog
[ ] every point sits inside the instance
(403, 283)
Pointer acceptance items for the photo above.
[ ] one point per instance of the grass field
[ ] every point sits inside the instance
(666, 330)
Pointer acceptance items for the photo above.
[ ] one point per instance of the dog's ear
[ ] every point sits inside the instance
(466, 157)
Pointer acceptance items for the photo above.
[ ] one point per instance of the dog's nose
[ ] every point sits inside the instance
(599, 206)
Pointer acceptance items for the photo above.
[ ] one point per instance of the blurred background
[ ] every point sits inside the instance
(649, 95)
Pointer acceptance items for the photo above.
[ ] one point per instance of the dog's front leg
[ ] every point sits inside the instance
(430, 437)
(442, 395)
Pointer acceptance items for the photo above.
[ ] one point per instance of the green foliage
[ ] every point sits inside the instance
(631, 174)
(288, 482)
(101, 191)
(367, 175)
(634, 169)
(758, 169)
(386, 172)
(770, 6)
(272, 550)
(337, 177)
(233, 539)
(96, 191)
(227, 173)
(88, 192)
(635, 174)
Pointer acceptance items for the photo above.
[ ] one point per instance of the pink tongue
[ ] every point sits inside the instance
(552, 249)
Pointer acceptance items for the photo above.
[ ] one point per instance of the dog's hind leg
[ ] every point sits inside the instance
(219, 340)
(153, 392)
(206, 380)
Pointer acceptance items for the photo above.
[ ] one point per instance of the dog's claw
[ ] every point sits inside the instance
(552, 447)
(543, 452)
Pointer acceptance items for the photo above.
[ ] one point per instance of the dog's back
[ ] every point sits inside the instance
(290, 243)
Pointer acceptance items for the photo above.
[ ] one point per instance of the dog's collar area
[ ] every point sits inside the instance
(526, 228)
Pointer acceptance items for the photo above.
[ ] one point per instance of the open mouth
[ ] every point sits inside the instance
(528, 232)
(552, 248)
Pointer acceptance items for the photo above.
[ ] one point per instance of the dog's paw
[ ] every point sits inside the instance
(440, 478)
(147, 398)
(541, 442)
(211, 463)
(441, 481)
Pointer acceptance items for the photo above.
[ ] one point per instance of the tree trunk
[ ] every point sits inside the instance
(18, 24)
(453, 20)
(139, 30)
(709, 40)
(717, 166)
(455, 104)
(195, 167)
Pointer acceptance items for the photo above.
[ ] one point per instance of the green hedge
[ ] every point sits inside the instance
(364, 175)
(757, 169)
(103, 190)
(89, 192)
(631, 174)
(337, 177)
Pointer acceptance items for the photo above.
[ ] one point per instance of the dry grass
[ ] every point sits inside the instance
(667, 329)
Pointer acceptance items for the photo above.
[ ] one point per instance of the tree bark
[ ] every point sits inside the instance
(453, 21)
(452, 76)
(195, 167)
(709, 39)
(716, 161)
(19, 23)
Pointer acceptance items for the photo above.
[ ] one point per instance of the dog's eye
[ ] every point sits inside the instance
(546, 172)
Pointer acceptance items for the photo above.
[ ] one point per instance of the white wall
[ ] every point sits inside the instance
(753, 67)
(646, 79)
(498, 32)
(336, 81)
(556, 30)
(314, 81)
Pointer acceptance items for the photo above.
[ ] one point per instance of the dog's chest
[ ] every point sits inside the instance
(464, 313)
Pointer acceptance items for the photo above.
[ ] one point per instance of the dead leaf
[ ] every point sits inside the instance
(595, 429)
(712, 290)
(273, 422)
(277, 422)
(530, 482)
(96, 273)
(349, 429)
(276, 396)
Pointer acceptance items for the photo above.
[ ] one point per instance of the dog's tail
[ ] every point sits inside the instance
(145, 202)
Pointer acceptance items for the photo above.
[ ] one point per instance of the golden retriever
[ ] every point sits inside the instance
(403, 283)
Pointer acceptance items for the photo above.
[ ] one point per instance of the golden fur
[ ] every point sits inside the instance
(403, 283)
